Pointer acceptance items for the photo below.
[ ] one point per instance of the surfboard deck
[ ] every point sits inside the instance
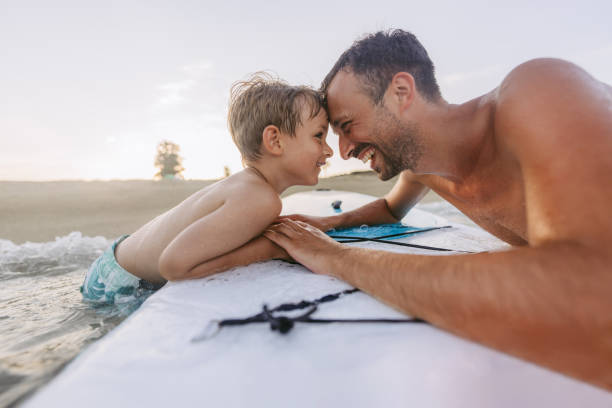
(150, 360)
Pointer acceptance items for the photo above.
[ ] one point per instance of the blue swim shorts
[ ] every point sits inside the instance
(107, 282)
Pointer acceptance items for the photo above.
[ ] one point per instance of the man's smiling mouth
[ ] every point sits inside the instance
(366, 154)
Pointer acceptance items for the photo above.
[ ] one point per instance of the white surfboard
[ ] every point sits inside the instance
(149, 360)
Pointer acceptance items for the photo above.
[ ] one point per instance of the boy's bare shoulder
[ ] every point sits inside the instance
(250, 190)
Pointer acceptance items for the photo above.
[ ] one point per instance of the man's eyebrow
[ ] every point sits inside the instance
(337, 121)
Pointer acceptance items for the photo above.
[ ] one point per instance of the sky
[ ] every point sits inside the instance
(89, 88)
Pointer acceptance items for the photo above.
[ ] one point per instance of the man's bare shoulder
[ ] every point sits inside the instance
(554, 99)
(542, 73)
(554, 119)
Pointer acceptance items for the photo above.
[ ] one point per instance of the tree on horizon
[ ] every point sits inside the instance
(168, 160)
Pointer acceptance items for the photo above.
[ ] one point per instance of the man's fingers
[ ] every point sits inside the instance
(276, 237)
(289, 217)
(293, 224)
(289, 227)
(304, 225)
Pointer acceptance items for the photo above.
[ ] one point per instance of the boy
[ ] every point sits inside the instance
(280, 131)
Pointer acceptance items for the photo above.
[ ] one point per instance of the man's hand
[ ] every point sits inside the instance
(278, 252)
(321, 223)
(305, 243)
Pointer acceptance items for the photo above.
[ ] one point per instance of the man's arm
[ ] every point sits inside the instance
(529, 302)
(548, 303)
(391, 209)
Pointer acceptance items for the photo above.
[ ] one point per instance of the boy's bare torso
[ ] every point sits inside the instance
(139, 254)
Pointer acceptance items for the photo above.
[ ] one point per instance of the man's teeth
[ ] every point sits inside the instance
(367, 156)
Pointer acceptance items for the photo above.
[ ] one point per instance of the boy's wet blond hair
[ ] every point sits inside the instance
(263, 100)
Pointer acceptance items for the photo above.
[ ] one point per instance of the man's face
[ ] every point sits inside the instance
(368, 132)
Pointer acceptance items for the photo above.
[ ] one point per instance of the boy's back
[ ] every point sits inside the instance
(209, 223)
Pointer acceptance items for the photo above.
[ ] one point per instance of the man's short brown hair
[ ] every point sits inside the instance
(263, 100)
(377, 57)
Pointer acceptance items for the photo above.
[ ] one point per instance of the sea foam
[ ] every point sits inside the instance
(68, 252)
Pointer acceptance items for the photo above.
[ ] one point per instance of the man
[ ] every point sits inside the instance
(530, 162)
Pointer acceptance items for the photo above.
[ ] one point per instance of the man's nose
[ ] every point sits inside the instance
(346, 147)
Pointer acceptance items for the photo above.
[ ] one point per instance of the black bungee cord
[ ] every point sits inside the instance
(283, 324)
(381, 239)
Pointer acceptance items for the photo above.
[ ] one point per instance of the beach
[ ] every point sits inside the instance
(42, 211)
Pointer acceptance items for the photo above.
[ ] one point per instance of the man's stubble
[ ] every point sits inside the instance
(399, 144)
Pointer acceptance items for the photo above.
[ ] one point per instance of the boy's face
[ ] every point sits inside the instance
(307, 151)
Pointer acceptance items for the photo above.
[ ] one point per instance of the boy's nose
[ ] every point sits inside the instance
(346, 147)
(327, 150)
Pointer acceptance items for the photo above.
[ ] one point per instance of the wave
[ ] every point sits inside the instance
(67, 253)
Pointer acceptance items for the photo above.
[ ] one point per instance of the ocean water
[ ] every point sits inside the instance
(44, 322)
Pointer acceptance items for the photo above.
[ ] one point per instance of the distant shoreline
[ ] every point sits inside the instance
(349, 173)
(40, 211)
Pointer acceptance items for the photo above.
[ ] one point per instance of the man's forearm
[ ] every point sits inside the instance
(547, 305)
(376, 212)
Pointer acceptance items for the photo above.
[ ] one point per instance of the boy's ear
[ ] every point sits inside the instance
(272, 140)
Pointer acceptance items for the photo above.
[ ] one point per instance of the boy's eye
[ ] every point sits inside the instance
(319, 135)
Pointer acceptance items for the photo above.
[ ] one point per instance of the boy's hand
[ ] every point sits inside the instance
(321, 223)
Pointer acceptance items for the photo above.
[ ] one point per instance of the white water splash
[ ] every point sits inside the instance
(69, 252)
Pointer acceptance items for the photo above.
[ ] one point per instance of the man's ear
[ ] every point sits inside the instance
(401, 91)
(271, 140)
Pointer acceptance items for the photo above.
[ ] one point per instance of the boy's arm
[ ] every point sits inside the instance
(257, 250)
(406, 192)
(230, 226)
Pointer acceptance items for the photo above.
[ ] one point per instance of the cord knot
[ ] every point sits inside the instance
(284, 324)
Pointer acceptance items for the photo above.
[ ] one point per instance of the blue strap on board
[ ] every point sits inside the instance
(380, 231)
(389, 232)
